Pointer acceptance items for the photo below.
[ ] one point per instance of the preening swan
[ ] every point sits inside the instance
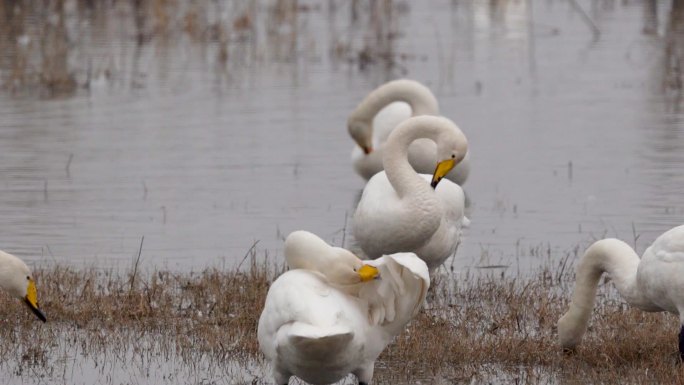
(380, 112)
(654, 283)
(329, 316)
(399, 211)
(17, 281)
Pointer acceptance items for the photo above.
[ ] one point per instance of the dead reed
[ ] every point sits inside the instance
(55, 48)
(476, 327)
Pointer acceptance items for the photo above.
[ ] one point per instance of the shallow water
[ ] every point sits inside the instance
(575, 134)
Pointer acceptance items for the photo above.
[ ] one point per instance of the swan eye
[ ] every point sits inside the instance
(453, 156)
(28, 278)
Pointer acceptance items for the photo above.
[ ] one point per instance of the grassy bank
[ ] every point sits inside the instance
(484, 327)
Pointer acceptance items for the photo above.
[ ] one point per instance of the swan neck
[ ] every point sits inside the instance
(304, 250)
(400, 174)
(620, 262)
(419, 97)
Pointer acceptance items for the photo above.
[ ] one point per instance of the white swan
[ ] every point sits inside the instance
(17, 281)
(654, 283)
(328, 316)
(380, 112)
(399, 211)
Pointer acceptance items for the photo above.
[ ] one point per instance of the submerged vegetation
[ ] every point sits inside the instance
(56, 47)
(202, 327)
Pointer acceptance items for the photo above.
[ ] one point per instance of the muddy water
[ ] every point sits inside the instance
(205, 141)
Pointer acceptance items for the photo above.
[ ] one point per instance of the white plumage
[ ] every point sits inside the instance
(653, 283)
(320, 325)
(17, 281)
(399, 211)
(380, 112)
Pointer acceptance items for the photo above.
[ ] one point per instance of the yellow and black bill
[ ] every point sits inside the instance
(441, 170)
(31, 300)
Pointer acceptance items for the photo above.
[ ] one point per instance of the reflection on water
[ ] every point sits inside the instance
(207, 126)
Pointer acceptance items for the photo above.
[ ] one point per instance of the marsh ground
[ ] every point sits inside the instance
(107, 328)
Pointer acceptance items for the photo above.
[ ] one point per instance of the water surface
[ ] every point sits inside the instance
(574, 135)
(207, 128)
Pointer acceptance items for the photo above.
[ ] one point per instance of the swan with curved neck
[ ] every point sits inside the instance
(16, 279)
(401, 210)
(315, 328)
(344, 270)
(653, 283)
(379, 113)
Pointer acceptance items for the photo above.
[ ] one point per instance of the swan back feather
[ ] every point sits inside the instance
(319, 332)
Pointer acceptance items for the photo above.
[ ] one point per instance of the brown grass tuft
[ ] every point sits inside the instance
(475, 328)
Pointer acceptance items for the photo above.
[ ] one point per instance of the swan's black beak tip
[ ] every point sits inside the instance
(434, 183)
(39, 313)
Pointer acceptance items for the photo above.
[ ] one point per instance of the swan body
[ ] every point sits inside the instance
(321, 323)
(399, 211)
(17, 281)
(653, 283)
(380, 112)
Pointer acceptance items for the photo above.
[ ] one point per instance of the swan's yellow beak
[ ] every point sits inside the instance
(442, 169)
(368, 273)
(31, 300)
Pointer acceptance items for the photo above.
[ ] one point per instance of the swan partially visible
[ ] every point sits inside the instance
(333, 314)
(17, 281)
(654, 283)
(402, 211)
(380, 112)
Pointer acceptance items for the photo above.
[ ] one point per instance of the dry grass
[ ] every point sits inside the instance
(509, 324)
(190, 318)
(475, 328)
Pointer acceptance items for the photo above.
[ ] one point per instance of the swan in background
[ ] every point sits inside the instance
(329, 316)
(403, 211)
(17, 281)
(654, 283)
(380, 112)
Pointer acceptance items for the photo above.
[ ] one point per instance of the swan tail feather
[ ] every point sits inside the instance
(319, 341)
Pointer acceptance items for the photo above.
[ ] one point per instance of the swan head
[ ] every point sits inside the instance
(305, 250)
(346, 269)
(452, 147)
(16, 279)
(362, 133)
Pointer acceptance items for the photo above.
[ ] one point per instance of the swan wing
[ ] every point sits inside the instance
(379, 218)
(384, 122)
(301, 297)
(312, 341)
(378, 195)
(668, 247)
(399, 293)
(453, 199)
(387, 119)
